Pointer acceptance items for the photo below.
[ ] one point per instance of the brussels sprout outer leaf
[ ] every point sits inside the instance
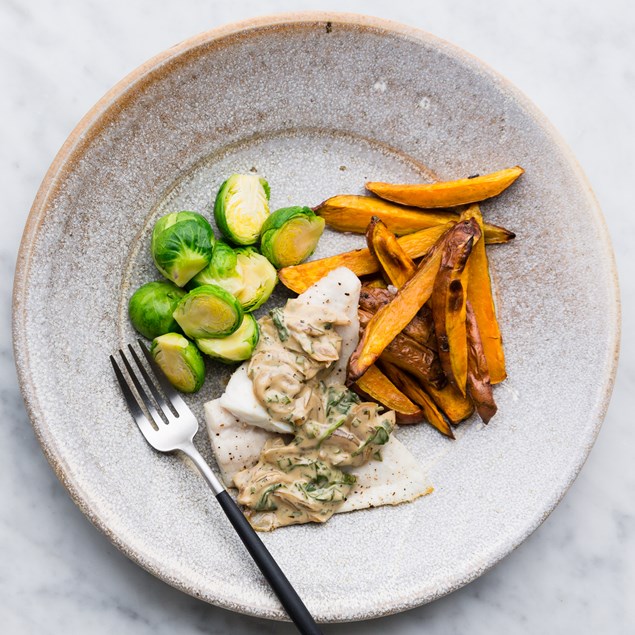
(259, 278)
(151, 306)
(290, 235)
(241, 207)
(208, 311)
(182, 245)
(180, 361)
(238, 347)
(265, 187)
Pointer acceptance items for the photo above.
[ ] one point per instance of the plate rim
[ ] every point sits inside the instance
(94, 121)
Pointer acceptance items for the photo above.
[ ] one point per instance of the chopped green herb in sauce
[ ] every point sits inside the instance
(277, 317)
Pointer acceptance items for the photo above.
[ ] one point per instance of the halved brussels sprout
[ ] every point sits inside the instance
(237, 347)
(182, 245)
(222, 270)
(241, 207)
(259, 278)
(180, 361)
(208, 311)
(290, 235)
(151, 306)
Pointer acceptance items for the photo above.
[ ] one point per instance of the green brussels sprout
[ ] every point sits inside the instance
(208, 311)
(151, 306)
(290, 235)
(259, 278)
(180, 361)
(237, 347)
(182, 245)
(241, 207)
(222, 270)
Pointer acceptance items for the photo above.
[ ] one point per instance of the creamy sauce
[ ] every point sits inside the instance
(300, 479)
(294, 347)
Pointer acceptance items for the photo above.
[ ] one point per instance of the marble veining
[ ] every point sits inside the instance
(575, 573)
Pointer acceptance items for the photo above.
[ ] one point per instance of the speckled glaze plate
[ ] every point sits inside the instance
(318, 104)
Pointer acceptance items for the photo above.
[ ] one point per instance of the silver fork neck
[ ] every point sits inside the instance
(190, 450)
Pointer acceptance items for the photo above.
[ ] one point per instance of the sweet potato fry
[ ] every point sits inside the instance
(448, 304)
(417, 394)
(374, 283)
(447, 193)
(479, 293)
(399, 268)
(454, 405)
(373, 298)
(478, 383)
(392, 318)
(396, 265)
(408, 354)
(299, 278)
(374, 384)
(496, 235)
(352, 213)
(420, 328)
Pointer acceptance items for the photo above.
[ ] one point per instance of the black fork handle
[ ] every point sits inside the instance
(273, 573)
(269, 567)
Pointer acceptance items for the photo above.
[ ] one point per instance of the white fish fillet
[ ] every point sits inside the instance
(341, 288)
(398, 478)
(236, 445)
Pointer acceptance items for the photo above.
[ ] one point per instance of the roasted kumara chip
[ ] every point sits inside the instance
(416, 393)
(478, 383)
(396, 265)
(447, 193)
(352, 213)
(479, 293)
(448, 303)
(374, 384)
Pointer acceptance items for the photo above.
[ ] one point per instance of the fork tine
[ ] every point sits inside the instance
(154, 415)
(158, 397)
(133, 405)
(170, 392)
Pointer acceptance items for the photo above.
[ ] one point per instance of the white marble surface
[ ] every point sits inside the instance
(575, 60)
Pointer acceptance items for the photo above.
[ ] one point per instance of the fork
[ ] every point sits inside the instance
(177, 435)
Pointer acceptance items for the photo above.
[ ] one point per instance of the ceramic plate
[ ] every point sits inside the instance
(318, 104)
